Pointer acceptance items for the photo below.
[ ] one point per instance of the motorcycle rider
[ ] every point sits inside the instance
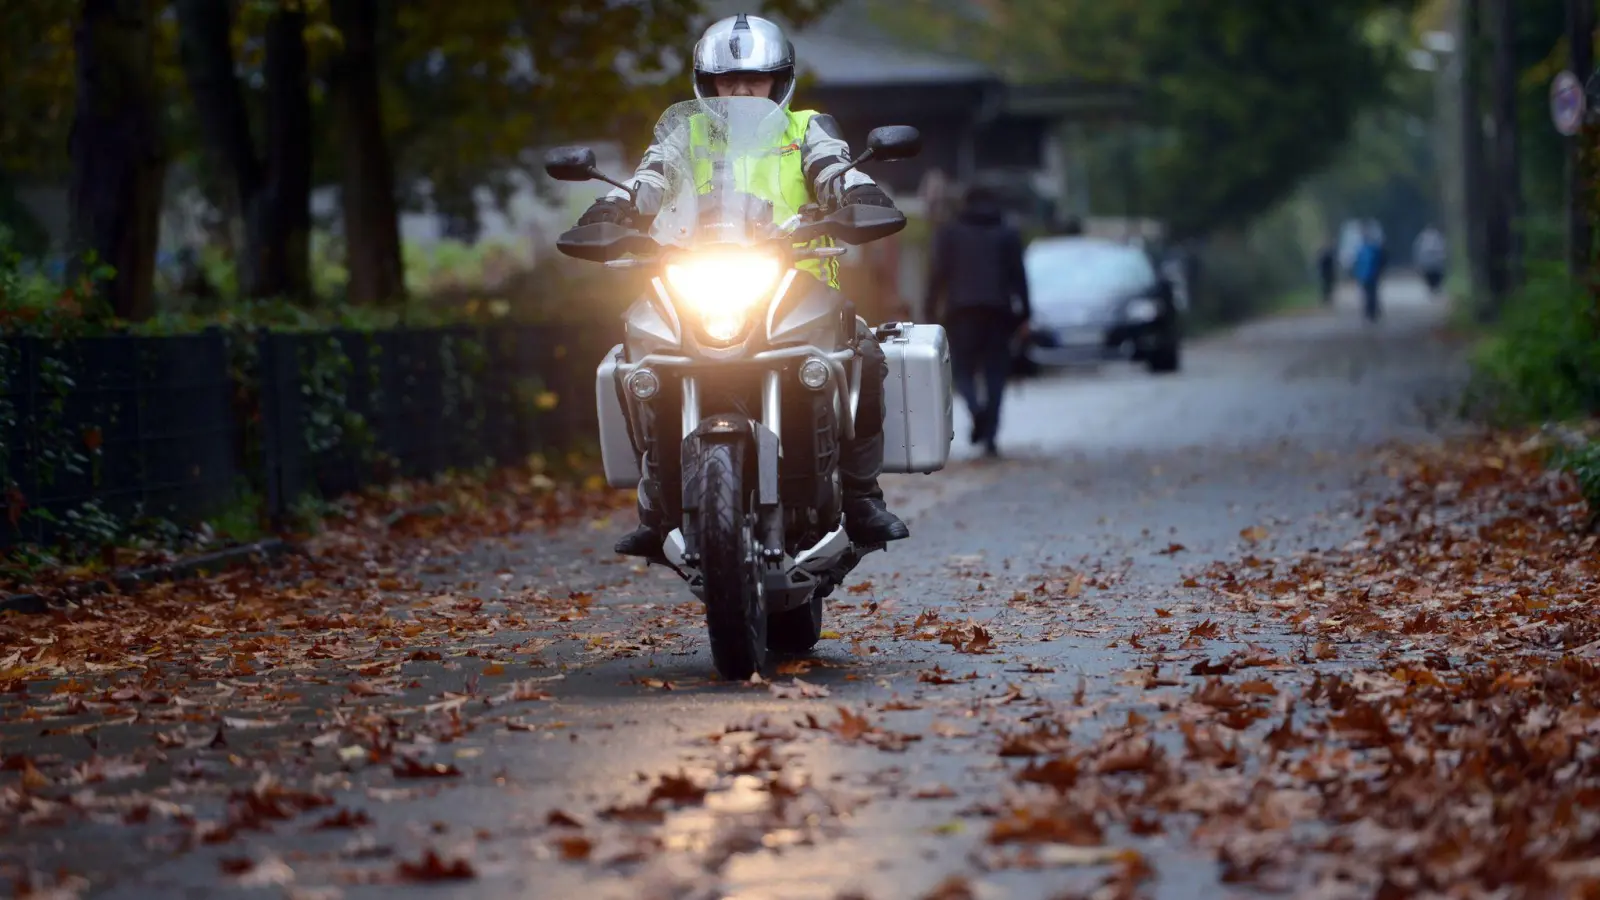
(748, 56)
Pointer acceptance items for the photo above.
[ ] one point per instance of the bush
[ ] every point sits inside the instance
(1584, 465)
(41, 293)
(1542, 363)
(1245, 275)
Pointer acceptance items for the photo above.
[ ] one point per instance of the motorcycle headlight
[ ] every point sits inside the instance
(723, 289)
(1142, 310)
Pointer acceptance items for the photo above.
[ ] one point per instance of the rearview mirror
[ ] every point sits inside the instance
(570, 163)
(892, 142)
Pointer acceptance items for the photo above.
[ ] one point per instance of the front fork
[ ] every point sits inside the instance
(771, 402)
(763, 437)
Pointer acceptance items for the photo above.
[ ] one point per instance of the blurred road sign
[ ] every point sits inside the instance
(1567, 103)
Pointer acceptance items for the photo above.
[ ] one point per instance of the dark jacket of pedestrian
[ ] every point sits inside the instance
(975, 263)
(978, 290)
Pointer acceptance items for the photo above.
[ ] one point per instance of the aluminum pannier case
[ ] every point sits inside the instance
(918, 424)
(616, 447)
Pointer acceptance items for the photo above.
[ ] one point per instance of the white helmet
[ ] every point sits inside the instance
(744, 43)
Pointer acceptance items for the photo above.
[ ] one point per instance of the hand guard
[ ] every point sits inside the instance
(867, 195)
(610, 209)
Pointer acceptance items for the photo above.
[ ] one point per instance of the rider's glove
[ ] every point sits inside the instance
(615, 210)
(867, 195)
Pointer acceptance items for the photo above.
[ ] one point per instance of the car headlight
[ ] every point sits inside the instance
(1142, 310)
(722, 289)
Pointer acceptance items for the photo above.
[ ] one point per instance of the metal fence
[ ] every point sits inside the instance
(98, 433)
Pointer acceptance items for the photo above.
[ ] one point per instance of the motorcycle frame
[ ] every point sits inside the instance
(800, 533)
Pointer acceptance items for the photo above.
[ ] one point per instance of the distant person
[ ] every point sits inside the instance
(1429, 254)
(1371, 260)
(1328, 271)
(978, 290)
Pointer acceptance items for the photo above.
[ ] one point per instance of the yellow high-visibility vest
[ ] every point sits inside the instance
(778, 179)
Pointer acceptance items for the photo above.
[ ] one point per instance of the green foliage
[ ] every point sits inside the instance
(1542, 363)
(472, 86)
(308, 512)
(1246, 273)
(1387, 170)
(1245, 98)
(1541, 49)
(32, 299)
(1583, 463)
(20, 231)
(36, 83)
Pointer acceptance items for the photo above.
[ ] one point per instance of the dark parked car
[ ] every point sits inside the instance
(1095, 299)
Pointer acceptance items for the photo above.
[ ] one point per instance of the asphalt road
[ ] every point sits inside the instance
(1115, 488)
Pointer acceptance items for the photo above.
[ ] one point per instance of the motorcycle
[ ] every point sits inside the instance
(737, 378)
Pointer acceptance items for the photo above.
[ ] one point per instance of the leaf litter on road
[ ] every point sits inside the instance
(1432, 718)
(216, 680)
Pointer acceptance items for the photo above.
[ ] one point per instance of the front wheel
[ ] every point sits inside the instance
(736, 615)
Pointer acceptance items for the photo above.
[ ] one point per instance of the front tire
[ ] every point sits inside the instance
(736, 615)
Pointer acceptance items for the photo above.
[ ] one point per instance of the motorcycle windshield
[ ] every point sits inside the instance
(721, 163)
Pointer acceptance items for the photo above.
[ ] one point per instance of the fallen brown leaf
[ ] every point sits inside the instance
(409, 767)
(433, 867)
(560, 819)
(574, 847)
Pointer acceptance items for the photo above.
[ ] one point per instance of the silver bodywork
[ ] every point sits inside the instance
(655, 339)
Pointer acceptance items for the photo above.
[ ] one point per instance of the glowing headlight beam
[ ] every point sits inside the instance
(722, 289)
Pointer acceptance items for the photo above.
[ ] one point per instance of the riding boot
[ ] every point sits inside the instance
(646, 540)
(867, 519)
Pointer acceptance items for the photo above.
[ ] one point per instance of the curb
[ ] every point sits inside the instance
(183, 570)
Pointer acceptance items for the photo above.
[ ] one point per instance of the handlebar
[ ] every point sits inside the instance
(608, 242)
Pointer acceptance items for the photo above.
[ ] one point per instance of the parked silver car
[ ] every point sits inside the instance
(1095, 299)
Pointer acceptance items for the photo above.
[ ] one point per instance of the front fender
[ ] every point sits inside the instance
(762, 473)
(724, 428)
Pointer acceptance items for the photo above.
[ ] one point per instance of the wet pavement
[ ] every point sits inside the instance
(581, 684)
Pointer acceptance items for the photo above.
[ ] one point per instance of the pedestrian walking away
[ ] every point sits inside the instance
(1370, 262)
(1328, 271)
(978, 289)
(1429, 255)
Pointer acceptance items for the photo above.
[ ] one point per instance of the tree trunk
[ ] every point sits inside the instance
(1475, 178)
(117, 158)
(288, 186)
(274, 195)
(371, 215)
(1507, 205)
(1580, 231)
(206, 51)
